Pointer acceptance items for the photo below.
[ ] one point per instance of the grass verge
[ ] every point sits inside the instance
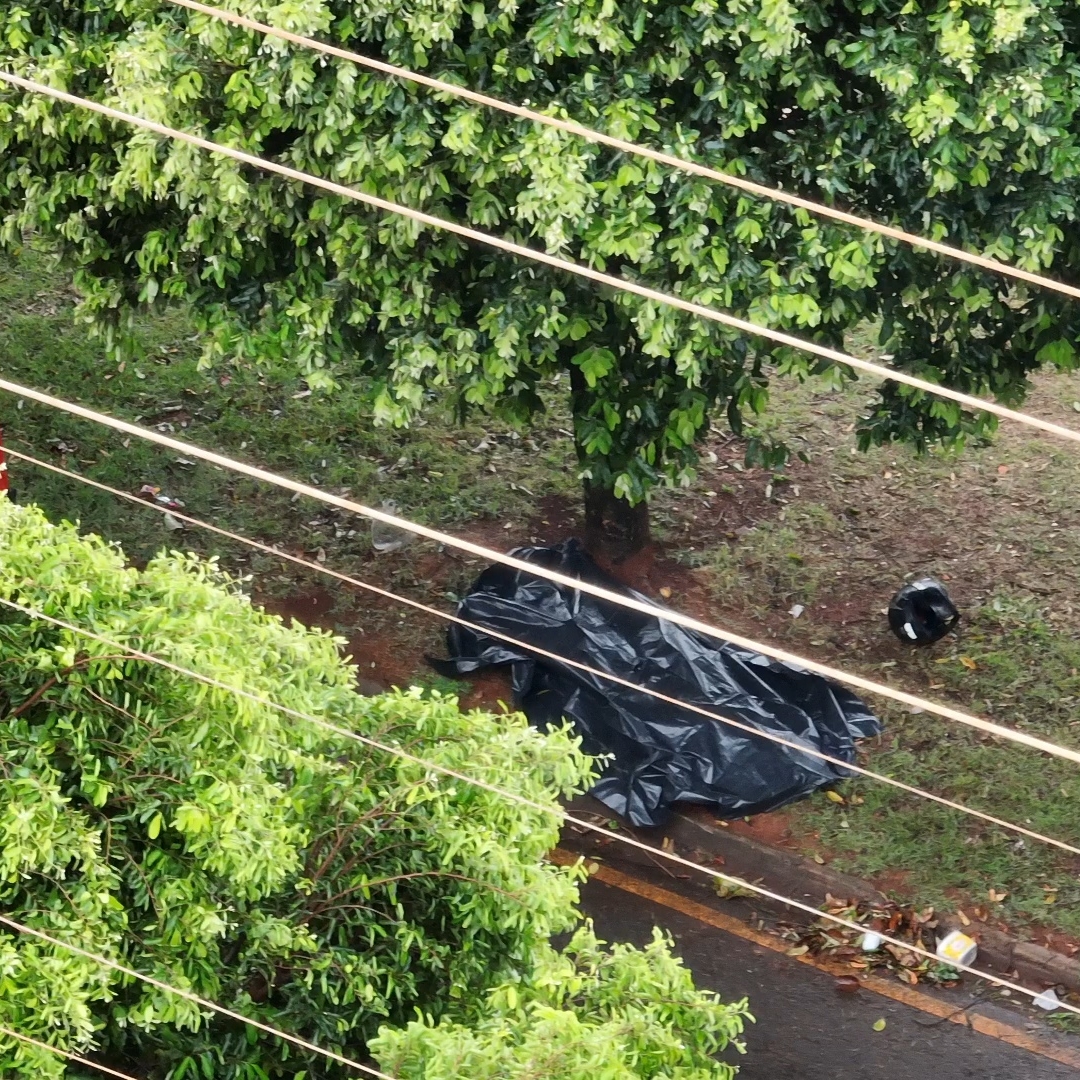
(833, 536)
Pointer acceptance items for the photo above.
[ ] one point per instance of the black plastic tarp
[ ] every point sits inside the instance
(661, 754)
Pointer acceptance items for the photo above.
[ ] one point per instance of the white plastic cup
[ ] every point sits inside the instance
(957, 949)
(871, 942)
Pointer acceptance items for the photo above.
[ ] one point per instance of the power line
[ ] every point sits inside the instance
(554, 261)
(676, 162)
(187, 995)
(192, 451)
(522, 800)
(66, 1054)
(780, 740)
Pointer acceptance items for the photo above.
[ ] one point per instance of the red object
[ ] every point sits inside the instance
(3, 464)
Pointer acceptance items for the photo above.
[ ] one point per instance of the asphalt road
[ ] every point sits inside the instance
(805, 1030)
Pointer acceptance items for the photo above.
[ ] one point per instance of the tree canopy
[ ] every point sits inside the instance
(334, 891)
(953, 117)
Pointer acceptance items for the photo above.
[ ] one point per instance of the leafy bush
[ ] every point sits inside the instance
(211, 841)
(585, 1014)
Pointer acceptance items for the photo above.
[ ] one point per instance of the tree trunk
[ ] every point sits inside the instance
(613, 523)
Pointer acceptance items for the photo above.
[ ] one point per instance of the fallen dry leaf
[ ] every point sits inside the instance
(963, 918)
(968, 663)
(1002, 470)
(995, 897)
(835, 796)
(846, 984)
(665, 592)
(798, 950)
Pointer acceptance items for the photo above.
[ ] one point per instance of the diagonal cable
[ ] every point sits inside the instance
(187, 995)
(494, 789)
(676, 162)
(192, 451)
(66, 1054)
(387, 594)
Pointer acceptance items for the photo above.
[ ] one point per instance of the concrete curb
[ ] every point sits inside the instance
(803, 879)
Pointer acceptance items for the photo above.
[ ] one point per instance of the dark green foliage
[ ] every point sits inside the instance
(949, 117)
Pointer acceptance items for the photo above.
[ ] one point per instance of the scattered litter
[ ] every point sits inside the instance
(658, 755)
(1047, 1000)
(922, 613)
(153, 494)
(185, 461)
(386, 538)
(957, 948)
(796, 610)
(891, 925)
(173, 524)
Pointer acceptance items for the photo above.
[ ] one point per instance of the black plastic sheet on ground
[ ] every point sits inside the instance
(661, 754)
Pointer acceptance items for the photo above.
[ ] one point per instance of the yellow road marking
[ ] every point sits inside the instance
(895, 991)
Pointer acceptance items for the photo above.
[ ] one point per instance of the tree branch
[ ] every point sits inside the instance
(49, 683)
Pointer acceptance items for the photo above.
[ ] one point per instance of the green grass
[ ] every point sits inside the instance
(260, 414)
(785, 569)
(1001, 524)
(1026, 675)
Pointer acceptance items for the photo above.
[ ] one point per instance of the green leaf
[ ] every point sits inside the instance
(595, 363)
(1060, 353)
